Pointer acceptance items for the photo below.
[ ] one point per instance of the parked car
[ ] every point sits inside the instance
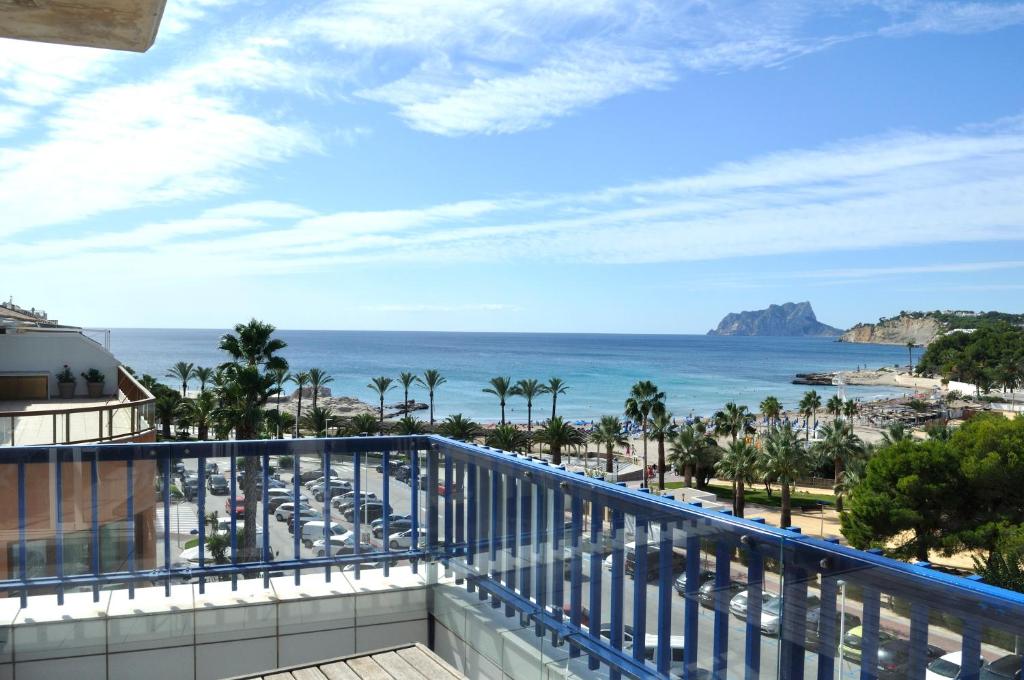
(394, 517)
(738, 604)
(348, 499)
(403, 473)
(277, 500)
(627, 633)
(217, 485)
(704, 576)
(314, 530)
(771, 614)
(851, 647)
(894, 658)
(190, 487)
(339, 490)
(394, 528)
(319, 481)
(708, 591)
(676, 646)
(311, 475)
(585, 557)
(341, 545)
(305, 514)
(284, 511)
(235, 506)
(403, 541)
(1004, 668)
(370, 511)
(946, 666)
(212, 468)
(814, 639)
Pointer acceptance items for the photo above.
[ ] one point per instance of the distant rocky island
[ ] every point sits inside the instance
(792, 319)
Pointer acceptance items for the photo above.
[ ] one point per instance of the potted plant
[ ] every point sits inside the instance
(66, 383)
(94, 382)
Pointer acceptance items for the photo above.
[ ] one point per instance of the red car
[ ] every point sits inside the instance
(236, 505)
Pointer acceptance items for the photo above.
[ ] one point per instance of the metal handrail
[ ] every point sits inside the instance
(489, 525)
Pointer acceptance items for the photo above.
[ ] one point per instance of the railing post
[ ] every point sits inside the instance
(201, 501)
(414, 482)
(22, 546)
(165, 457)
(793, 627)
(59, 506)
(386, 499)
(690, 611)
(640, 589)
(576, 568)
(618, 573)
(594, 615)
(723, 558)
(509, 542)
(129, 473)
(95, 486)
(433, 454)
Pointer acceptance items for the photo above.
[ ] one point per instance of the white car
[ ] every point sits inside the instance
(945, 667)
(676, 654)
(403, 541)
(341, 545)
(285, 510)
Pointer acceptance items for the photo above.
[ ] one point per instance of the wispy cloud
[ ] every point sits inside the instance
(864, 193)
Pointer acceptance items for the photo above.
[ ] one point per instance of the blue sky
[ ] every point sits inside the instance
(529, 165)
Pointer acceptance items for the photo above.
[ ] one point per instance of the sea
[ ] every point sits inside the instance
(698, 373)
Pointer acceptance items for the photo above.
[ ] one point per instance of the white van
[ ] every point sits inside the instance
(224, 526)
(313, 531)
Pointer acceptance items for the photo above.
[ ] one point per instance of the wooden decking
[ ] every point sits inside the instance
(409, 662)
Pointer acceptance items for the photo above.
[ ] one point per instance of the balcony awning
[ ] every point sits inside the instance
(129, 25)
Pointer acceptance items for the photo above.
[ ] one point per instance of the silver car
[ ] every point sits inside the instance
(738, 604)
(771, 614)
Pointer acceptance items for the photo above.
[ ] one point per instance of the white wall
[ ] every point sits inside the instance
(48, 351)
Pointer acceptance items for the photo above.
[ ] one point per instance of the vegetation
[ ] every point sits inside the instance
(409, 425)
(786, 460)
(555, 387)
(809, 405)
(406, 379)
(381, 385)
(317, 379)
(558, 434)
(528, 389)
(199, 412)
(771, 408)
(838, 443)
(644, 401)
(501, 387)
(608, 434)
(204, 375)
(183, 372)
(740, 465)
(662, 428)
(431, 380)
(508, 438)
(317, 420)
(691, 449)
(361, 424)
(301, 379)
(458, 427)
(990, 356)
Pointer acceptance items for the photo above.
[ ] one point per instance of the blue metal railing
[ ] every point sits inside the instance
(547, 544)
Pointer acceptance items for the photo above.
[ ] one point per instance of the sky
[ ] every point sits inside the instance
(624, 166)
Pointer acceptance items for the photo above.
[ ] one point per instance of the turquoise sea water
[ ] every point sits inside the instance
(699, 373)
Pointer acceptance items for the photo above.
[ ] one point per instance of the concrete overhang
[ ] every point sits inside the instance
(129, 25)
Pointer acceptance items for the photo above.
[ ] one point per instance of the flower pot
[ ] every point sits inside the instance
(66, 390)
(94, 389)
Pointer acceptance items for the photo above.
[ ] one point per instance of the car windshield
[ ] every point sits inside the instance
(945, 668)
(773, 606)
(217, 479)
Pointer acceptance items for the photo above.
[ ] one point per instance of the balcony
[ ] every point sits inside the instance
(127, 415)
(522, 569)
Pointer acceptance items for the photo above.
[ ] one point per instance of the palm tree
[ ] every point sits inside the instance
(896, 433)
(409, 425)
(318, 419)
(686, 449)
(785, 459)
(317, 379)
(850, 409)
(183, 372)
(381, 385)
(771, 408)
(557, 434)
(166, 406)
(508, 438)
(457, 427)
(910, 356)
(834, 406)
(734, 420)
(849, 479)
(432, 379)
(203, 375)
(199, 412)
(644, 401)
(501, 387)
(281, 376)
(301, 379)
(247, 383)
(406, 378)
(529, 389)
(809, 405)
(739, 465)
(662, 427)
(362, 424)
(554, 387)
(608, 433)
(839, 444)
(278, 422)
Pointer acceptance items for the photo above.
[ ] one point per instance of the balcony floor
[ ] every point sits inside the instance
(412, 662)
(32, 427)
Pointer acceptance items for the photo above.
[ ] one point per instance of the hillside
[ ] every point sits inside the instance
(791, 319)
(921, 328)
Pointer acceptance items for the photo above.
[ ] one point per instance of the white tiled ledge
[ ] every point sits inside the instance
(216, 634)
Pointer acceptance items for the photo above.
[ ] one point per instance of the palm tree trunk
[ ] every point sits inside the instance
(382, 413)
(608, 458)
(502, 412)
(298, 416)
(688, 473)
(661, 461)
(405, 404)
(278, 409)
(740, 499)
(787, 518)
(644, 431)
(431, 408)
(554, 400)
(529, 416)
(556, 455)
